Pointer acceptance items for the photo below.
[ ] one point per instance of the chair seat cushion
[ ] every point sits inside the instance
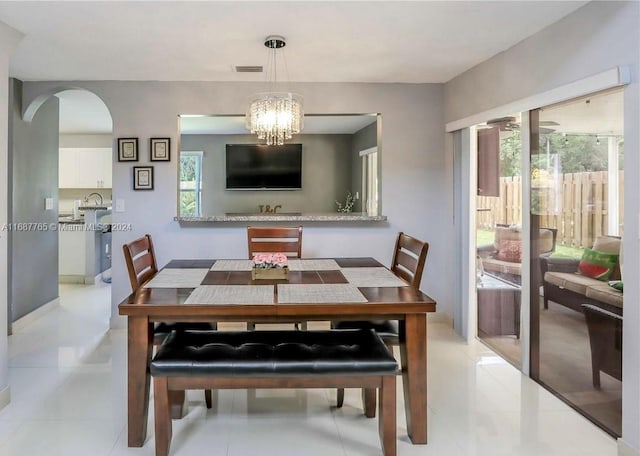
(496, 265)
(385, 328)
(605, 293)
(269, 353)
(571, 281)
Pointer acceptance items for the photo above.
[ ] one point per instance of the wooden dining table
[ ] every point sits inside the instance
(315, 289)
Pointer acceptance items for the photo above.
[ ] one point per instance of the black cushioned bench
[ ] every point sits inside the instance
(274, 359)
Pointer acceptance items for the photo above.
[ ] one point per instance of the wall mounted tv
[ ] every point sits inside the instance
(261, 167)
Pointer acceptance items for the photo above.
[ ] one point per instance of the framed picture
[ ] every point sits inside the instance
(127, 149)
(143, 177)
(160, 149)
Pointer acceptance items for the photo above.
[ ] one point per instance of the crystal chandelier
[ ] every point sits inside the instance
(275, 116)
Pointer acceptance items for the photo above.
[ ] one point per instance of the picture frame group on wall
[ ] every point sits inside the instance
(143, 177)
(160, 149)
(127, 149)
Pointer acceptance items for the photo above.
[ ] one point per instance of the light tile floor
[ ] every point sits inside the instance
(68, 397)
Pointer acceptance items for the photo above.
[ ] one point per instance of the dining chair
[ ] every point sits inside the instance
(142, 267)
(275, 239)
(409, 257)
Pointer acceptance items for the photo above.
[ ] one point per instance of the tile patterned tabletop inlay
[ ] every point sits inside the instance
(232, 265)
(177, 278)
(318, 294)
(231, 294)
(372, 277)
(313, 265)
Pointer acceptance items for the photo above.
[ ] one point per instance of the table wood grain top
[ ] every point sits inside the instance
(385, 302)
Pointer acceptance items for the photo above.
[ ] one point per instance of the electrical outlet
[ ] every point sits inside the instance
(119, 205)
(48, 204)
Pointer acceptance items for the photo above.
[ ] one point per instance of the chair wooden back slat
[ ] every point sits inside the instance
(409, 258)
(141, 261)
(286, 240)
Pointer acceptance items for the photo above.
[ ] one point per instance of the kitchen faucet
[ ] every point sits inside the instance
(98, 196)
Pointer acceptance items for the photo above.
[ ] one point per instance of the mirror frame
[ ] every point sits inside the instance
(377, 115)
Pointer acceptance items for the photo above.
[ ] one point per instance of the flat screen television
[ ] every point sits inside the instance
(261, 167)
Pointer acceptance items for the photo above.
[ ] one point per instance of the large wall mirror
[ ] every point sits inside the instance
(225, 171)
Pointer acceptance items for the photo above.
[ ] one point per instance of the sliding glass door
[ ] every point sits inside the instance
(499, 236)
(577, 158)
(548, 232)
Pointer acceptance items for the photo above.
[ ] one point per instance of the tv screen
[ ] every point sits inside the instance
(261, 167)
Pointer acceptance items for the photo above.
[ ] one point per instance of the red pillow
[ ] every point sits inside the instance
(510, 250)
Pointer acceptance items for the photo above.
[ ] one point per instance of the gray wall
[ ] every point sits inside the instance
(415, 181)
(596, 38)
(33, 155)
(9, 38)
(71, 140)
(326, 173)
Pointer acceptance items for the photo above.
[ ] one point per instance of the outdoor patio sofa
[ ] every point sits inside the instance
(503, 257)
(565, 285)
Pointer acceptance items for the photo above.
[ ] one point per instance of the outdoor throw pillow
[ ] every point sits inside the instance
(617, 284)
(596, 264)
(510, 250)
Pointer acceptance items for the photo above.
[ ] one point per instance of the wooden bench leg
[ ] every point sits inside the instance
(369, 402)
(595, 372)
(162, 416)
(387, 416)
(339, 397)
(176, 403)
(207, 398)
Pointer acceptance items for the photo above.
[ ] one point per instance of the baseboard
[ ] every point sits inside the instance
(439, 317)
(5, 397)
(118, 322)
(625, 450)
(32, 316)
(91, 280)
(70, 278)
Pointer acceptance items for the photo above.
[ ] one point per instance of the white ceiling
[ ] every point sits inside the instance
(383, 41)
(601, 114)
(327, 41)
(597, 114)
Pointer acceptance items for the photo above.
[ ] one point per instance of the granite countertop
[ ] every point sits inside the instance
(95, 207)
(69, 220)
(284, 217)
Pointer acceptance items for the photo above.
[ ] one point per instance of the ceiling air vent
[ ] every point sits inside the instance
(248, 68)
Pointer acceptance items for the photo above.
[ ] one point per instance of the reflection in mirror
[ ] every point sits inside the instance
(332, 166)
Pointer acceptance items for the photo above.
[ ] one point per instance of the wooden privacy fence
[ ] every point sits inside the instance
(576, 206)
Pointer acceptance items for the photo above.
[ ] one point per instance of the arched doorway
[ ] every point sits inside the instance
(58, 148)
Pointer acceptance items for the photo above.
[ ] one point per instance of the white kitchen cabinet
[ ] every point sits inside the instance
(67, 168)
(85, 167)
(107, 167)
(71, 251)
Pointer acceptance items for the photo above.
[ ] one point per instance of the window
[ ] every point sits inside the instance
(190, 184)
(370, 179)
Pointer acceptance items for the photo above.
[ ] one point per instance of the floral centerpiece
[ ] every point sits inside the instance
(270, 266)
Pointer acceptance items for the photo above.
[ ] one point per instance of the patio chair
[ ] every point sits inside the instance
(605, 338)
